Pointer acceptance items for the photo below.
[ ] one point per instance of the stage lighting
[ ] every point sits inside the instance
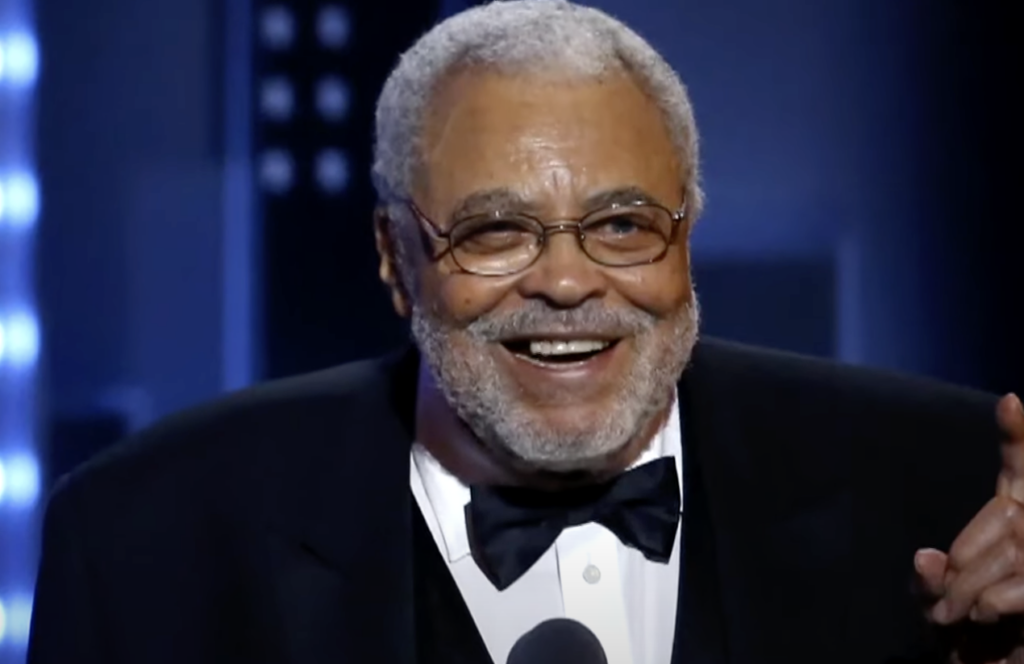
(332, 171)
(277, 100)
(332, 98)
(15, 618)
(19, 481)
(19, 340)
(277, 171)
(277, 27)
(333, 27)
(19, 59)
(19, 200)
(19, 329)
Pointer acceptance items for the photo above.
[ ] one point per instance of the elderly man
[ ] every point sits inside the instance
(558, 444)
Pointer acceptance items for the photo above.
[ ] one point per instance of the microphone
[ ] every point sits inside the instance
(558, 641)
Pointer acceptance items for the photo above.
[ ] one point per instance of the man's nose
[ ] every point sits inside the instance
(563, 275)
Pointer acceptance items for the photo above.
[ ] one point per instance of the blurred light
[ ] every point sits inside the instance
(15, 619)
(333, 27)
(277, 27)
(19, 480)
(332, 98)
(19, 200)
(20, 334)
(20, 483)
(277, 171)
(332, 171)
(276, 98)
(19, 58)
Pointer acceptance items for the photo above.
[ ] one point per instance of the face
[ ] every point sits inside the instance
(562, 365)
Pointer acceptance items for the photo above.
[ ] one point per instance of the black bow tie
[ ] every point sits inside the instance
(510, 528)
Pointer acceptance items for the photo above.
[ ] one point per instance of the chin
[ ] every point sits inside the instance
(568, 463)
(570, 417)
(568, 442)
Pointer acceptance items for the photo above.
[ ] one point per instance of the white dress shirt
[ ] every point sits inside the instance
(588, 575)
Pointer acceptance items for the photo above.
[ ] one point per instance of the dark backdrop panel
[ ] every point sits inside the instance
(973, 75)
(788, 304)
(323, 301)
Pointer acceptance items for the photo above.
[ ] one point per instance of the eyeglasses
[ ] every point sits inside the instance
(498, 245)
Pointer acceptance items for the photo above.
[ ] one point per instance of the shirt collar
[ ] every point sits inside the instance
(448, 496)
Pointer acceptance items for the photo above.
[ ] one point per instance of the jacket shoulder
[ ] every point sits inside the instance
(229, 445)
(773, 374)
(919, 451)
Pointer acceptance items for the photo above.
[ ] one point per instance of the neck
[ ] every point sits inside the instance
(453, 444)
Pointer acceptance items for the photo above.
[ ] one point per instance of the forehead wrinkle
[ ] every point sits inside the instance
(539, 162)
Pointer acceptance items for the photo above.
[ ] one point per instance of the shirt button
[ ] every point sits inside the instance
(591, 574)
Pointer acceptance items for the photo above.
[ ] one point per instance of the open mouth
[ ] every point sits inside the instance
(559, 351)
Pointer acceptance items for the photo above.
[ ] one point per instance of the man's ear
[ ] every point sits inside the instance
(387, 249)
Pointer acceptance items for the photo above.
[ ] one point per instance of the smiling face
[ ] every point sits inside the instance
(568, 362)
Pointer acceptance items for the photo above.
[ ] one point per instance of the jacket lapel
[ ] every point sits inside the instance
(365, 579)
(768, 520)
(445, 630)
(700, 624)
(339, 556)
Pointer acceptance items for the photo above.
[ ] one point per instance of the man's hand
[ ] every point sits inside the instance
(978, 587)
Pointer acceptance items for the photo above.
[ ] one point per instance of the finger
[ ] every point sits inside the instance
(931, 572)
(987, 527)
(1010, 412)
(1000, 562)
(1010, 415)
(1005, 598)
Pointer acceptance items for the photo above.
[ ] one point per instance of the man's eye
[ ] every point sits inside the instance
(619, 225)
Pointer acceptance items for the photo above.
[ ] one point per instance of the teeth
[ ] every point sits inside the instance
(550, 348)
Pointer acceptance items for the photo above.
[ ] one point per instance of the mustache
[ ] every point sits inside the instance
(537, 317)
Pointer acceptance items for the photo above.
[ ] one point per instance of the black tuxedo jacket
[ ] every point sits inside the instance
(277, 525)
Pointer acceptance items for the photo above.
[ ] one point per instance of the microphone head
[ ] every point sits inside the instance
(558, 641)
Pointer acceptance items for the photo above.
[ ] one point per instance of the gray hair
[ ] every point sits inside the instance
(515, 36)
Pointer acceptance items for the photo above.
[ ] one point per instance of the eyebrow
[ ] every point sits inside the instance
(507, 200)
(619, 196)
(490, 200)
